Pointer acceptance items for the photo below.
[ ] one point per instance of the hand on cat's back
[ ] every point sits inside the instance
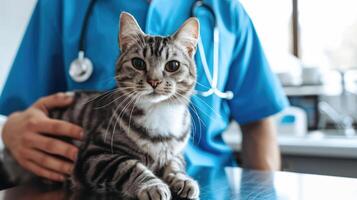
(37, 152)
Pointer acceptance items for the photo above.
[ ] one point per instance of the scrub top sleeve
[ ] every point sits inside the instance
(257, 92)
(38, 66)
(2, 122)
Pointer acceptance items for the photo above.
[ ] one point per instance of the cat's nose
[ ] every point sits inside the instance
(153, 83)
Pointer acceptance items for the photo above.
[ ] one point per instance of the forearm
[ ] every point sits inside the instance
(259, 147)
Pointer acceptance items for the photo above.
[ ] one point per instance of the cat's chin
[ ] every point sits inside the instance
(154, 98)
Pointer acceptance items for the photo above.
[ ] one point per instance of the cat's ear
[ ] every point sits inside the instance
(129, 31)
(187, 35)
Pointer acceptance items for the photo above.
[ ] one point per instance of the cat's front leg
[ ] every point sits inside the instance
(180, 183)
(149, 187)
(118, 173)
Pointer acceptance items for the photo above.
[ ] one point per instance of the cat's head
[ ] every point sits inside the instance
(157, 68)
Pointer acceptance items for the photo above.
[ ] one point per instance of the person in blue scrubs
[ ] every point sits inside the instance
(50, 44)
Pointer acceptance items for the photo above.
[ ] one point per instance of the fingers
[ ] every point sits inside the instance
(56, 127)
(43, 172)
(53, 101)
(50, 162)
(52, 146)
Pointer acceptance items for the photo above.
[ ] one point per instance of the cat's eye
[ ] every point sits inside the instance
(139, 64)
(172, 66)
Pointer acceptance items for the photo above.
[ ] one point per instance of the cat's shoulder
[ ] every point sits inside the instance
(78, 94)
(100, 101)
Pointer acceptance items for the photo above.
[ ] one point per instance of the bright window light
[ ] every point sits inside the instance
(272, 20)
(328, 31)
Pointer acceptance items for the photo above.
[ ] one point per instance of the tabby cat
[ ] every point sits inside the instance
(136, 133)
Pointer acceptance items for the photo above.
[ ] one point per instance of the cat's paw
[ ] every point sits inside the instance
(157, 192)
(184, 186)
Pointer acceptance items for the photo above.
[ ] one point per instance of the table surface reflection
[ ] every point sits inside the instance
(224, 183)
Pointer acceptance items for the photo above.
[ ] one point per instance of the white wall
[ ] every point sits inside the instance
(14, 16)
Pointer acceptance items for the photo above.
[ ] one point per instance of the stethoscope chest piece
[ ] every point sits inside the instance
(81, 68)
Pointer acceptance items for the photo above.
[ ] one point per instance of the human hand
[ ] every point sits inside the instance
(23, 134)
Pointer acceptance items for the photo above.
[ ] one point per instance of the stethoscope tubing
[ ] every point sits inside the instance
(84, 29)
(212, 79)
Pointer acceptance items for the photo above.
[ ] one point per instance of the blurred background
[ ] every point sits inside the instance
(13, 22)
(311, 46)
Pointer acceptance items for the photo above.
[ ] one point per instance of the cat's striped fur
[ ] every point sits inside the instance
(136, 133)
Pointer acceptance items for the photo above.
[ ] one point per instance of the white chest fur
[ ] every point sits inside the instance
(164, 119)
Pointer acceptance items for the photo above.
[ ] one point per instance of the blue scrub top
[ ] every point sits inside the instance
(51, 43)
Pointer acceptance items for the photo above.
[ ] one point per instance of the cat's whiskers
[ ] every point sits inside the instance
(110, 121)
(195, 108)
(104, 95)
(115, 99)
(213, 110)
(110, 92)
(192, 121)
(114, 112)
(199, 123)
(196, 113)
(131, 112)
(131, 99)
(113, 92)
(207, 87)
(124, 102)
(116, 118)
(119, 118)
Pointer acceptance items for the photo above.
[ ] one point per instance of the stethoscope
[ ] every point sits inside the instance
(82, 68)
(213, 80)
